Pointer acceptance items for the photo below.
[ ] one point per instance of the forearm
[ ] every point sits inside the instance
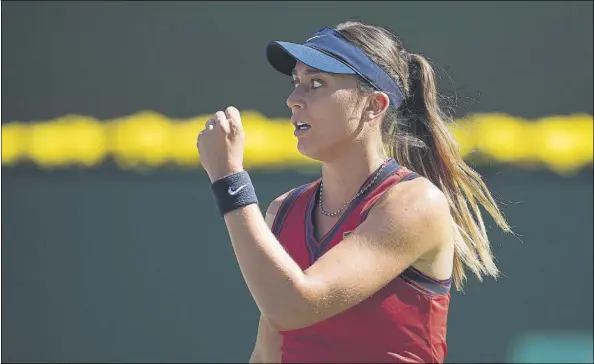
(272, 276)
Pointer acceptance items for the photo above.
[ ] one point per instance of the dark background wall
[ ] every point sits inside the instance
(110, 59)
(108, 265)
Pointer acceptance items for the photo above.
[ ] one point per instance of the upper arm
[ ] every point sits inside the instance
(410, 221)
(268, 341)
(268, 344)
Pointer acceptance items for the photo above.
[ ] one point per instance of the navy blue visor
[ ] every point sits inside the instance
(328, 51)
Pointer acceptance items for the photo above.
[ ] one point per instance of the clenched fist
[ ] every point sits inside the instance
(220, 144)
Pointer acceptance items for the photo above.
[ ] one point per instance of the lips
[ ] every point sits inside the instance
(301, 126)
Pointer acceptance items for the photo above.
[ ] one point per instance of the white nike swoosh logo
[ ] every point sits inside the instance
(316, 36)
(233, 192)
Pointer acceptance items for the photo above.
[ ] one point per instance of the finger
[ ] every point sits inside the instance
(232, 113)
(210, 123)
(234, 118)
(222, 121)
(219, 116)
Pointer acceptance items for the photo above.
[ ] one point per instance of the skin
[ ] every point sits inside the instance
(410, 225)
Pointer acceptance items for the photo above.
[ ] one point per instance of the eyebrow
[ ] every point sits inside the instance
(309, 71)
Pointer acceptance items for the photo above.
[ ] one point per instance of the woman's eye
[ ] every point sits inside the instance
(314, 83)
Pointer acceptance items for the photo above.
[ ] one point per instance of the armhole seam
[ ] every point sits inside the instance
(284, 209)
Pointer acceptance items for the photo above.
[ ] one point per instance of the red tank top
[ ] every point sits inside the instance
(404, 322)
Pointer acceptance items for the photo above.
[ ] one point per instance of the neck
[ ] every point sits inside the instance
(344, 175)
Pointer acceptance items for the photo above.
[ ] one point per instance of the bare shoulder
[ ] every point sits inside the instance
(415, 208)
(274, 206)
(277, 203)
(420, 196)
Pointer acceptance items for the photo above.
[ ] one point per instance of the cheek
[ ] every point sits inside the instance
(334, 112)
(322, 108)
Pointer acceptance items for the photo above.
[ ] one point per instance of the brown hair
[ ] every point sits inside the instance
(418, 137)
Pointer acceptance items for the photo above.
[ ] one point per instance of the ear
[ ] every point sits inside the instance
(377, 105)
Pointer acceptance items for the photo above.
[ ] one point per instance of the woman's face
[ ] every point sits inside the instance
(327, 111)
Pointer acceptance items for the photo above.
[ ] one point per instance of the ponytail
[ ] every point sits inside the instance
(421, 140)
(417, 136)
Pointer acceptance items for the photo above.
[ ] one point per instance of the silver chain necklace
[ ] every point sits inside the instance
(332, 214)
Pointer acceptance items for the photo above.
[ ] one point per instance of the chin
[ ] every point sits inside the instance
(310, 150)
(305, 148)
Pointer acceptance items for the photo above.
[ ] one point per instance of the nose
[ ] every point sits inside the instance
(294, 101)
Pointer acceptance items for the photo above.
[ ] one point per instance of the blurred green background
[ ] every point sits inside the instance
(112, 252)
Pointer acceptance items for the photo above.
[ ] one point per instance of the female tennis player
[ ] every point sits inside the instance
(357, 265)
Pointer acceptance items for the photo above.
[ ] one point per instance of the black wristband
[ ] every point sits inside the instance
(233, 191)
